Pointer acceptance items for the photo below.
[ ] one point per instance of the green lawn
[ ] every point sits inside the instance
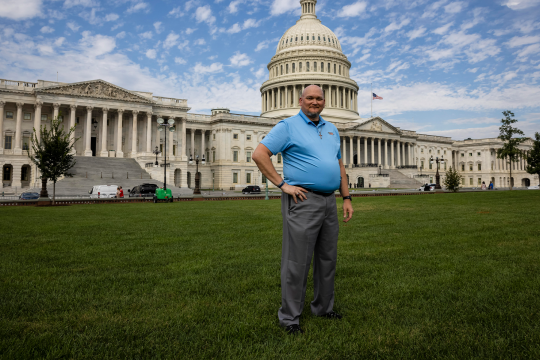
(422, 277)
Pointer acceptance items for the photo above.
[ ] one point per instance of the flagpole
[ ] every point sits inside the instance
(371, 99)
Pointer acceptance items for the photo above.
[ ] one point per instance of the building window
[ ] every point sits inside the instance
(7, 142)
(307, 66)
(438, 152)
(279, 158)
(248, 137)
(61, 118)
(281, 69)
(444, 152)
(77, 120)
(422, 151)
(339, 69)
(491, 166)
(173, 148)
(430, 151)
(24, 173)
(463, 168)
(9, 114)
(322, 67)
(235, 156)
(25, 144)
(263, 181)
(286, 68)
(470, 167)
(431, 180)
(248, 178)
(479, 181)
(329, 67)
(462, 155)
(430, 166)
(160, 147)
(213, 156)
(421, 164)
(7, 173)
(235, 178)
(479, 154)
(471, 181)
(293, 67)
(44, 117)
(445, 166)
(248, 156)
(334, 68)
(235, 136)
(479, 167)
(463, 181)
(300, 67)
(27, 116)
(214, 136)
(470, 154)
(315, 66)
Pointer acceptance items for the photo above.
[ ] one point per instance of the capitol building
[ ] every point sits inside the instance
(114, 122)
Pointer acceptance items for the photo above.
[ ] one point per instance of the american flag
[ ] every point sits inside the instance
(375, 97)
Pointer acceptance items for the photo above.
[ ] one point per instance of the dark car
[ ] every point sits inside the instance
(252, 190)
(29, 196)
(144, 190)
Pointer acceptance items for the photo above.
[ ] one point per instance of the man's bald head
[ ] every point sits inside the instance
(312, 102)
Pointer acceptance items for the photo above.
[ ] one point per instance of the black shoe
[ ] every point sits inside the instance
(332, 315)
(293, 329)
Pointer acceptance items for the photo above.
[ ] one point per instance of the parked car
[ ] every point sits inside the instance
(252, 190)
(29, 196)
(103, 192)
(144, 190)
(427, 187)
(534, 187)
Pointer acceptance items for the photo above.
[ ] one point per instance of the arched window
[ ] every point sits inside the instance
(294, 68)
(329, 68)
(302, 38)
(315, 66)
(296, 38)
(286, 68)
(322, 67)
(307, 66)
(339, 69)
(324, 38)
(300, 67)
(334, 68)
(313, 37)
(286, 42)
(319, 37)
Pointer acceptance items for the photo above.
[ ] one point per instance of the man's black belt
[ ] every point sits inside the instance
(318, 192)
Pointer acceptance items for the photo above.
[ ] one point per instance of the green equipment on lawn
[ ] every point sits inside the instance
(162, 195)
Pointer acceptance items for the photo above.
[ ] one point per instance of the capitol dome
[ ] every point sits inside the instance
(309, 53)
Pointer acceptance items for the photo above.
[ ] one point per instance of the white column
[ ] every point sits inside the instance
(148, 133)
(358, 158)
(134, 134)
(18, 132)
(379, 157)
(2, 103)
(192, 152)
(88, 131)
(365, 150)
(104, 132)
(170, 141)
(55, 111)
(344, 151)
(351, 148)
(158, 134)
(287, 97)
(184, 141)
(37, 120)
(203, 141)
(392, 158)
(279, 98)
(119, 152)
(72, 115)
(372, 150)
(399, 153)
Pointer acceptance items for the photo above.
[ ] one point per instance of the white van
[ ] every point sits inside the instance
(103, 192)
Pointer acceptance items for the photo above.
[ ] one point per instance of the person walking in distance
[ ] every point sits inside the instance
(313, 170)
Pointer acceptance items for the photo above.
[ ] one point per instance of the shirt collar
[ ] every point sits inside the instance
(308, 120)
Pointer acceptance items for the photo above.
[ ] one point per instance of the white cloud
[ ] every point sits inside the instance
(239, 59)
(142, 6)
(171, 40)
(47, 30)
(73, 26)
(199, 42)
(522, 40)
(20, 10)
(121, 35)
(189, 31)
(151, 54)
(97, 45)
(204, 14)
(146, 35)
(234, 29)
(397, 25)
(183, 45)
(176, 12)
(111, 17)
(476, 121)
(523, 54)
(431, 10)
(180, 61)
(264, 44)
(85, 3)
(233, 6)
(211, 69)
(249, 23)
(416, 33)
(159, 27)
(443, 29)
(520, 4)
(353, 10)
(279, 7)
(455, 7)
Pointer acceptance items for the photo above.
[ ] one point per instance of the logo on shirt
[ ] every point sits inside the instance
(330, 133)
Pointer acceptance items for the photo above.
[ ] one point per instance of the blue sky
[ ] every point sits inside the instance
(443, 67)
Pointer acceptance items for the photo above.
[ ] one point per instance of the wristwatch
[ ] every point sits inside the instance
(347, 197)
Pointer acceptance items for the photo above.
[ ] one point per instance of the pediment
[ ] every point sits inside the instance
(376, 125)
(98, 89)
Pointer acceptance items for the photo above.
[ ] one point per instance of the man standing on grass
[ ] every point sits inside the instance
(313, 171)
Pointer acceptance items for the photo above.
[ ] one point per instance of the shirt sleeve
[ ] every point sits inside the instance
(277, 139)
(338, 144)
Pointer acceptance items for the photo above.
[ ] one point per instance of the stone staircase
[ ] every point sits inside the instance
(90, 171)
(400, 181)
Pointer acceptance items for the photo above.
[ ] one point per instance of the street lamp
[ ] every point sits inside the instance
(161, 126)
(437, 177)
(157, 152)
(380, 169)
(197, 190)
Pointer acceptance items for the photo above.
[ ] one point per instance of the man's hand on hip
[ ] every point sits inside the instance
(347, 210)
(295, 192)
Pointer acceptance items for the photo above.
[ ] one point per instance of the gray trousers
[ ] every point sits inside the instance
(309, 228)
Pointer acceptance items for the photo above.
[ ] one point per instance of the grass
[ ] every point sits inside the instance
(452, 276)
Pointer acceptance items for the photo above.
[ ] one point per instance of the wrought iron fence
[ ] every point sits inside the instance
(366, 165)
(407, 167)
(378, 175)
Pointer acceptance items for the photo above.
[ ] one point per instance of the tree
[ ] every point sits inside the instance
(452, 181)
(507, 133)
(52, 152)
(533, 158)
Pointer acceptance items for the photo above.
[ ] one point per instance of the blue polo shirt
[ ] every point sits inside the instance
(310, 153)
